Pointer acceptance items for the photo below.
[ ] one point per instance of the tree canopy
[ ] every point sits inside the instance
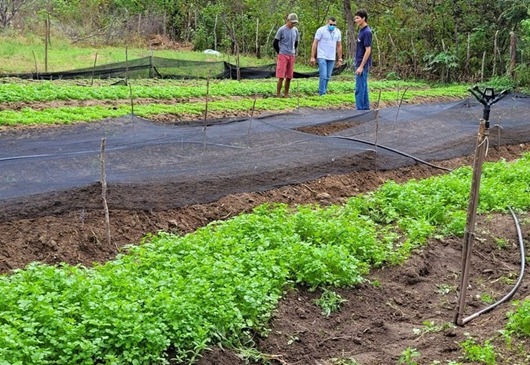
(446, 40)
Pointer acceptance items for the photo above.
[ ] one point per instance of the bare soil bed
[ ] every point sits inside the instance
(379, 320)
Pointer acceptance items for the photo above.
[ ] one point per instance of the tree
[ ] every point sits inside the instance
(10, 8)
(442, 39)
(348, 15)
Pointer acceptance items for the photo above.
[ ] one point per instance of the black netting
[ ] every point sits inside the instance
(198, 163)
(167, 68)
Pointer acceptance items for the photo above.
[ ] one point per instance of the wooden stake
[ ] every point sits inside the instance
(35, 60)
(401, 102)
(253, 106)
(46, 35)
(93, 70)
(206, 111)
(469, 235)
(151, 65)
(104, 192)
(377, 128)
(126, 65)
(207, 99)
(132, 99)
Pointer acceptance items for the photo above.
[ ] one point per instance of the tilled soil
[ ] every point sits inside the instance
(404, 307)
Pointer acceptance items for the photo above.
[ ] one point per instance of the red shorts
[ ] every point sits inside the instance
(285, 66)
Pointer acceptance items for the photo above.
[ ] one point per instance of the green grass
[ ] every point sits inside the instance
(19, 55)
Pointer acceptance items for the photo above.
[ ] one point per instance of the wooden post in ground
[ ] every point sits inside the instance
(36, 69)
(377, 108)
(126, 65)
(46, 41)
(207, 99)
(486, 98)
(104, 192)
(469, 235)
(93, 70)
(132, 99)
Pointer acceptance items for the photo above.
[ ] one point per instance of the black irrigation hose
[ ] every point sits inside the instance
(393, 150)
(518, 227)
(519, 280)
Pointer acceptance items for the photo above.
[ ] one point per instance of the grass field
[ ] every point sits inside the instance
(27, 54)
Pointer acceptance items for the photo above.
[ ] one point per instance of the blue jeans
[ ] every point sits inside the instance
(362, 102)
(325, 68)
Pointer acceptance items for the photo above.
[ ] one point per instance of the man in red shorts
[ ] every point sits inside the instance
(285, 43)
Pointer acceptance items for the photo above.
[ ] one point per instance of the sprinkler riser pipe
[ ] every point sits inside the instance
(486, 116)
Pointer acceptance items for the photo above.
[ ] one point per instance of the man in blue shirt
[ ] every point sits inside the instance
(363, 60)
(326, 46)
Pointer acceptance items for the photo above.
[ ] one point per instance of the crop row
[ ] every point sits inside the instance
(192, 109)
(46, 91)
(223, 281)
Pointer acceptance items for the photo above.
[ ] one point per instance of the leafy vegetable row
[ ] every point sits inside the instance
(187, 109)
(186, 292)
(166, 90)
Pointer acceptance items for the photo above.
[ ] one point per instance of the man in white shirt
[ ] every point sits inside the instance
(327, 45)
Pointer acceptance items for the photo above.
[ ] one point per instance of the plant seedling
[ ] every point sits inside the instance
(329, 302)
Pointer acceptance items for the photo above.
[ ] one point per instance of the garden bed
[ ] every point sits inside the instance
(399, 308)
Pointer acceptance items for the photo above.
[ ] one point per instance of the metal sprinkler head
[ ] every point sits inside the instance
(487, 98)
